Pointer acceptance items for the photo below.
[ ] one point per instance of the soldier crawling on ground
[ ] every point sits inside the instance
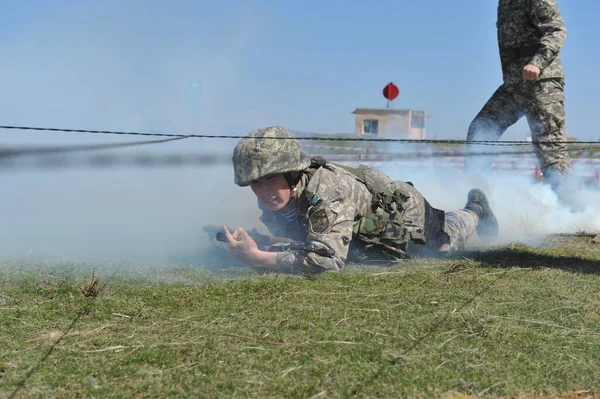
(338, 213)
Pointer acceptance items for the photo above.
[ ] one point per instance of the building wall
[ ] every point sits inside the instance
(408, 125)
(390, 126)
(417, 126)
(416, 134)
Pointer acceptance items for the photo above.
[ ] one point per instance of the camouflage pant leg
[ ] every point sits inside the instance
(499, 113)
(543, 105)
(414, 208)
(420, 218)
(460, 225)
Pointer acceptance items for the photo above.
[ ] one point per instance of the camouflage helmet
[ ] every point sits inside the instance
(266, 152)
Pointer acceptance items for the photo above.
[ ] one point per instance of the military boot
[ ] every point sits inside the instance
(477, 203)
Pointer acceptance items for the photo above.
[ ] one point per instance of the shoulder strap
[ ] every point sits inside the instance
(380, 193)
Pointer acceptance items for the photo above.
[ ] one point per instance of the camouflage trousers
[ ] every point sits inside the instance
(452, 230)
(460, 225)
(542, 103)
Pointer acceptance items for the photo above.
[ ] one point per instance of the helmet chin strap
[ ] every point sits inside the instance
(292, 180)
(293, 183)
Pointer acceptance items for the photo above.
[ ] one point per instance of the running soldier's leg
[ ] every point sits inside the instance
(498, 114)
(543, 104)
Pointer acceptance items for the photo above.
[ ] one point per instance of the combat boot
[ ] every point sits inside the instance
(477, 203)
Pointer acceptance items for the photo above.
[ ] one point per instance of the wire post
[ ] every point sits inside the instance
(538, 173)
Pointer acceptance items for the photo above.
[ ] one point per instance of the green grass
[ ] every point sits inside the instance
(509, 322)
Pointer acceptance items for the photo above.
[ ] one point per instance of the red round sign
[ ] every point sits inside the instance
(391, 91)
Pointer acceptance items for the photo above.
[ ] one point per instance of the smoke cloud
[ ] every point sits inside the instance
(527, 211)
(120, 66)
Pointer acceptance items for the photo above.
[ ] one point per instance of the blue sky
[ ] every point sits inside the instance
(232, 66)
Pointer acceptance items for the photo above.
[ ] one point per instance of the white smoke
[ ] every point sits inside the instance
(527, 211)
(122, 66)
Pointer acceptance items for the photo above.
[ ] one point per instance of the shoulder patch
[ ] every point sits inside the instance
(314, 200)
(319, 220)
(322, 217)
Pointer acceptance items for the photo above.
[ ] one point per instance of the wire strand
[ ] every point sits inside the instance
(311, 138)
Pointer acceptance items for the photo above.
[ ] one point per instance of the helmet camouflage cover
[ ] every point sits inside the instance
(266, 152)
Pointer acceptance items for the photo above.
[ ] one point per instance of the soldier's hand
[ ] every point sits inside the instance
(530, 72)
(242, 246)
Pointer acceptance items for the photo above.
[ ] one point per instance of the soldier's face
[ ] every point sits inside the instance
(274, 193)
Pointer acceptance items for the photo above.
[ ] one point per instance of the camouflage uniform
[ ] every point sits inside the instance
(529, 32)
(331, 200)
(340, 202)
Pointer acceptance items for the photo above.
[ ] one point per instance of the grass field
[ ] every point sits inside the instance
(514, 321)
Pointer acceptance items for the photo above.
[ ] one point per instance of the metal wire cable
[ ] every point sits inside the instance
(446, 154)
(54, 157)
(107, 160)
(311, 138)
(41, 150)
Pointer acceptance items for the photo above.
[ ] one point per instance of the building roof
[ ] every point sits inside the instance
(385, 111)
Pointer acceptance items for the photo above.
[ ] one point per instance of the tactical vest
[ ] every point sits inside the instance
(384, 224)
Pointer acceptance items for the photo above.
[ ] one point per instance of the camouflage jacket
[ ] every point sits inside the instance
(331, 202)
(530, 32)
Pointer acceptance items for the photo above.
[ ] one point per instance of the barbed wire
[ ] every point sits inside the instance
(449, 154)
(107, 160)
(180, 160)
(47, 154)
(310, 138)
(56, 156)
(52, 129)
(22, 151)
